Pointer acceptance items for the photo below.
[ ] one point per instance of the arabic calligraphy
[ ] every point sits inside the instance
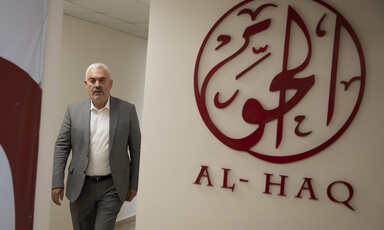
(258, 81)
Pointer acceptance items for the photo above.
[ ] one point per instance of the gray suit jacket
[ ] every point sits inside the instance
(74, 135)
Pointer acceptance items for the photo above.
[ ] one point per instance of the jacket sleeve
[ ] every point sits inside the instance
(134, 144)
(62, 150)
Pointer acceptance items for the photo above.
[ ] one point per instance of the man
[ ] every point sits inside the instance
(101, 175)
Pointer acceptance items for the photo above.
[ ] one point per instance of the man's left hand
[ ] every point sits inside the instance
(131, 194)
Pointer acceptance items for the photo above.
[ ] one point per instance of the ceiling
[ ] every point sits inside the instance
(127, 16)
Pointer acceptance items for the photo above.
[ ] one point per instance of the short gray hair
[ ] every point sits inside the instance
(97, 66)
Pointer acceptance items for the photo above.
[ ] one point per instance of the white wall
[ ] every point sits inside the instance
(84, 43)
(176, 141)
(48, 118)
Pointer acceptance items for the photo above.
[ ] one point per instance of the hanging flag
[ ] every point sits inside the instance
(22, 42)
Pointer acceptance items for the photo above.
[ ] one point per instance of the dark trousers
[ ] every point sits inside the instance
(97, 206)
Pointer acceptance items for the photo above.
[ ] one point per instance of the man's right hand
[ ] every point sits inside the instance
(57, 195)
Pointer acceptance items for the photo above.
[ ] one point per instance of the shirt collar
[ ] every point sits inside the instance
(105, 107)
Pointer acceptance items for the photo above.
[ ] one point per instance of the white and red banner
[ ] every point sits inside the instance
(22, 42)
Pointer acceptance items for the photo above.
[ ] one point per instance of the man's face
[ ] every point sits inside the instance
(98, 84)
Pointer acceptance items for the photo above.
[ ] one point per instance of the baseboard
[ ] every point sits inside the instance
(124, 221)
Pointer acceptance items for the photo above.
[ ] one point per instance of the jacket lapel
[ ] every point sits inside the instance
(86, 113)
(113, 118)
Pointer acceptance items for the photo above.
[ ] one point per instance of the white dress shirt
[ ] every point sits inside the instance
(98, 164)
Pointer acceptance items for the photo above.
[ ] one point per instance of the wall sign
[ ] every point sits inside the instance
(280, 81)
(306, 189)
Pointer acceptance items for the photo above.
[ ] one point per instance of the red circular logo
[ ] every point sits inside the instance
(281, 82)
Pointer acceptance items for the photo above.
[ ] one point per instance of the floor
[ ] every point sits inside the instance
(126, 226)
